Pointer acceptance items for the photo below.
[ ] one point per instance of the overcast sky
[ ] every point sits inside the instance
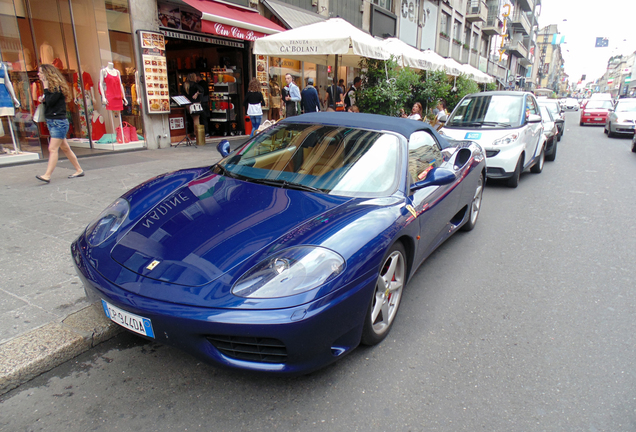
(587, 20)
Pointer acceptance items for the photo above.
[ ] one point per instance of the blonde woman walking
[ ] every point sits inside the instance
(56, 95)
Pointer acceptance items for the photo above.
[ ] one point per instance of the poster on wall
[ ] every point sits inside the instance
(408, 21)
(263, 77)
(153, 59)
(428, 22)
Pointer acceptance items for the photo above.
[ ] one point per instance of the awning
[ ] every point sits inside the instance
(291, 16)
(233, 22)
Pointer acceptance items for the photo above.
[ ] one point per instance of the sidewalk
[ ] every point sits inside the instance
(45, 318)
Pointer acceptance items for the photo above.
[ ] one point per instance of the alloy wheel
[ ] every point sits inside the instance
(388, 292)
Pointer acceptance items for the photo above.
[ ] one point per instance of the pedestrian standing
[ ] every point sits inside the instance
(56, 95)
(333, 94)
(350, 97)
(254, 104)
(194, 93)
(205, 103)
(292, 97)
(309, 98)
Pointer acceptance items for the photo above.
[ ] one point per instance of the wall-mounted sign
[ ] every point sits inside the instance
(176, 123)
(153, 59)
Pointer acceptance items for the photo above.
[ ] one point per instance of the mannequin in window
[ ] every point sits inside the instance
(112, 91)
(8, 100)
(47, 55)
(89, 97)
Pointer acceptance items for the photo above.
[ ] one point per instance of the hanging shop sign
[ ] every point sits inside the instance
(231, 31)
(201, 38)
(153, 60)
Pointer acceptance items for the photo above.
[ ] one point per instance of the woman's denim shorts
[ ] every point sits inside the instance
(58, 128)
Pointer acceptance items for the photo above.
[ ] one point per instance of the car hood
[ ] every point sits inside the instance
(627, 115)
(483, 136)
(212, 224)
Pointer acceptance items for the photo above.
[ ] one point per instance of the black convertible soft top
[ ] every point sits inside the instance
(404, 127)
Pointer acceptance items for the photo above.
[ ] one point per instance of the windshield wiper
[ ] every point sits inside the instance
(286, 184)
(492, 123)
(465, 124)
(225, 171)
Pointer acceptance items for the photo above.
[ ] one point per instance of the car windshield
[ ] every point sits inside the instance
(500, 111)
(627, 106)
(326, 159)
(553, 107)
(545, 113)
(598, 104)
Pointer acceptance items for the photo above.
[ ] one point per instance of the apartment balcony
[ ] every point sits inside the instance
(517, 48)
(464, 56)
(493, 26)
(526, 5)
(476, 10)
(474, 59)
(456, 52)
(520, 22)
(443, 46)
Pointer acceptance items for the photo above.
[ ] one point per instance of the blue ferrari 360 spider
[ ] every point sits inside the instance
(289, 252)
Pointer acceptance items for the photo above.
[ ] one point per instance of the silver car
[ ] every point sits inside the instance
(622, 118)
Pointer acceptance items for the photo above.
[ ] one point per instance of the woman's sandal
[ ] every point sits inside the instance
(81, 174)
(39, 177)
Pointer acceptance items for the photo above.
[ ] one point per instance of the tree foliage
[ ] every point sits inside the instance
(387, 89)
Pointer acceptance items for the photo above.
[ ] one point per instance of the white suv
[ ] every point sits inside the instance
(507, 125)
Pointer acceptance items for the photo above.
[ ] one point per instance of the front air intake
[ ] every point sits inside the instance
(263, 350)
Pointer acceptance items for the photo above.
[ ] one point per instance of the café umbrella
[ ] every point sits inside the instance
(333, 40)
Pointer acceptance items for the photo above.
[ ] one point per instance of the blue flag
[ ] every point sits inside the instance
(601, 42)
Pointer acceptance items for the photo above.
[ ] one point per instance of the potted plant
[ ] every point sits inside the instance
(444, 35)
(457, 42)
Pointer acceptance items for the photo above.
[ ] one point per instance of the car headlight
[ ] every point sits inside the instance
(290, 272)
(107, 223)
(508, 139)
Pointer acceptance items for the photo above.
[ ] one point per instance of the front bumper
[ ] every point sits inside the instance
(310, 336)
(623, 127)
(501, 162)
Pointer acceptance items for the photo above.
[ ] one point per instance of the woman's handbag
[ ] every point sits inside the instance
(38, 115)
(195, 108)
(128, 134)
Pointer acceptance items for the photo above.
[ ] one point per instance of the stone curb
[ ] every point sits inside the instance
(42, 349)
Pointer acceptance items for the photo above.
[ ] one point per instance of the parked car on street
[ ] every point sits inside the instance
(571, 104)
(290, 251)
(551, 133)
(622, 118)
(507, 124)
(634, 143)
(557, 114)
(595, 112)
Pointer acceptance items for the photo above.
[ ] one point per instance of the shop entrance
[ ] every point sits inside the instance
(217, 65)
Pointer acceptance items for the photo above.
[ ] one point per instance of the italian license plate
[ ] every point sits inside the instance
(598, 118)
(132, 322)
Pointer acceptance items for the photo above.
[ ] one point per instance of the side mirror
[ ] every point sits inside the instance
(534, 118)
(436, 177)
(224, 148)
(443, 118)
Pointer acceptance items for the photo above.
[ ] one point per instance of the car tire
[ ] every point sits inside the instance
(605, 129)
(552, 156)
(634, 145)
(580, 123)
(513, 181)
(391, 280)
(538, 165)
(475, 205)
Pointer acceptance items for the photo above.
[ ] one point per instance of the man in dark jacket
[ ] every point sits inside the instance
(309, 97)
(205, 103)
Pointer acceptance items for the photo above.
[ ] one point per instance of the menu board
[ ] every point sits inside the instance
(153, 57)
(263, 76)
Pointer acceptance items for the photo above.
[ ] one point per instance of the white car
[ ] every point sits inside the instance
(507, 125)
(572, 104)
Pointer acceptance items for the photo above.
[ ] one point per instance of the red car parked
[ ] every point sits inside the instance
(595, 112)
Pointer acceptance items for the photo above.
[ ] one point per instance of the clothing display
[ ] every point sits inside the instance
(88, 86)
(7, 107)
(97, 126)
(47, 55)
(113, 92)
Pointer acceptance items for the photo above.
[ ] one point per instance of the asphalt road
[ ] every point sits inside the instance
(524, 324)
